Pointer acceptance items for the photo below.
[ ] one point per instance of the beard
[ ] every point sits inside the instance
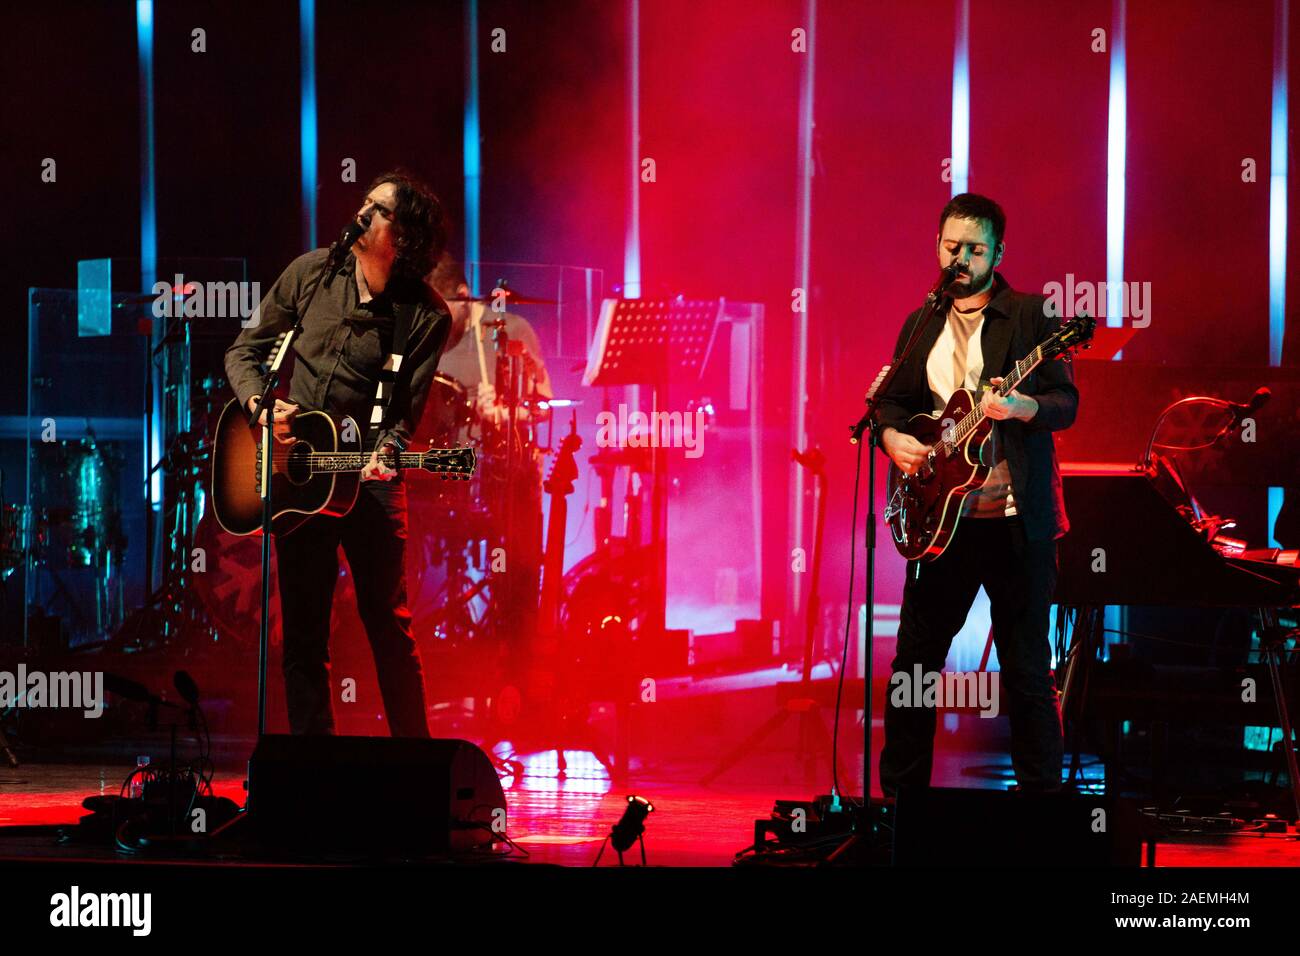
(974, 285)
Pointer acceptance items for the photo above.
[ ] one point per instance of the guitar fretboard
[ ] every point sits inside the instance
(324, 461)
(972, 419)
(441, 461)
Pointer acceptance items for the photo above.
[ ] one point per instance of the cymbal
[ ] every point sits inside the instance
(501, 292)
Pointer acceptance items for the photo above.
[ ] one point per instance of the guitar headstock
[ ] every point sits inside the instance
(564, 470)
(451, 464)
(1074, 334)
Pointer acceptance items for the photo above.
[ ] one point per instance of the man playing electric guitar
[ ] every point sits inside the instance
(1006, 537)
(349, 345)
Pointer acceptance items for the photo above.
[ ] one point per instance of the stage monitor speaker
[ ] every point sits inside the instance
(995, 828)
(380, 795)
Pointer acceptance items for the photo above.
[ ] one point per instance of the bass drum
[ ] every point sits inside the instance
(76, 484)
(450, 416)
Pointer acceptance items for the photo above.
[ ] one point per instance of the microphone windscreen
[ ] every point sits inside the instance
(186, 687)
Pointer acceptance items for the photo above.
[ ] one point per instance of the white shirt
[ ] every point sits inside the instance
(994, 498)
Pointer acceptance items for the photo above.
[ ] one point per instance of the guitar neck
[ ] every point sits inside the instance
(334, 462)
(972, 419)
(553, 565)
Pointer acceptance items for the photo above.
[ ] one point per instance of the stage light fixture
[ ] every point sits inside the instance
(630, 829)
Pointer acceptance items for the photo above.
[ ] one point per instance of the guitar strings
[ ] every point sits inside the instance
(976, 414)
(282, 455)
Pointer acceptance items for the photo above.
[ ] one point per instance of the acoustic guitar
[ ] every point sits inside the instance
(315, 468)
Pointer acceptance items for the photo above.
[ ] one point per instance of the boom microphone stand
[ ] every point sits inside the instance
(868, 424)
(266, 402)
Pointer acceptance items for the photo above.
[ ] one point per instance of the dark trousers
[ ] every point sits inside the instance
(1019, 577)
(373, 536)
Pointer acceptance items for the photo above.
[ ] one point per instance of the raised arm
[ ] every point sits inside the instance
(277, 313)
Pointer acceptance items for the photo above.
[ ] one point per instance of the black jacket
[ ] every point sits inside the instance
(1014, 323)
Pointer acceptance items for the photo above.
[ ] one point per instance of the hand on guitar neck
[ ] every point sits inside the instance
(1014, 405)
(375, 469)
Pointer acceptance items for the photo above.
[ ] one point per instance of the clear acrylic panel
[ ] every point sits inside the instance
(109, 396)
(83, 504)
(565, 325)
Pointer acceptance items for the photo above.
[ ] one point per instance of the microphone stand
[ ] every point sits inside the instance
(267, 402)
(868, 425)
(1239, 412)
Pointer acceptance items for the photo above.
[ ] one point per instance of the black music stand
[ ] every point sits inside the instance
(653, 342)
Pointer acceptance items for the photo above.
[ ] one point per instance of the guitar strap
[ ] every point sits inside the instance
(404, 314)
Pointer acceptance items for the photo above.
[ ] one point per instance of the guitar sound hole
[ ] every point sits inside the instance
(298, 467)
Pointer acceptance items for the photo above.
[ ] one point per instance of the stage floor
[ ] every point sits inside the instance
(563, 819)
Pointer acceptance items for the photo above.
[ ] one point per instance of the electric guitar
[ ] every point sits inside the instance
(315, 468)
(547, 688)
(559, 485)
(924, 507)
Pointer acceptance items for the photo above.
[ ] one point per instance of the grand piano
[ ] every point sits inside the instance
(1139, 538)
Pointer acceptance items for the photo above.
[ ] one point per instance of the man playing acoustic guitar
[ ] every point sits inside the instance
(1006, 537)
(348, 347)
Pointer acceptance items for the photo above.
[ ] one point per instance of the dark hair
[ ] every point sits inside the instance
(975, 206)
(447, 275)
(421, 225)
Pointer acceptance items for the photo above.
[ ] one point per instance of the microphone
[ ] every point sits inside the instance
(946, 277)
(186, 687)
(346, 240)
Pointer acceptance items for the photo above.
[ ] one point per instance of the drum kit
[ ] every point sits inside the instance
(73, 520)
(78, 523)
(462, 527)
(71, 523)
(459, 592)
